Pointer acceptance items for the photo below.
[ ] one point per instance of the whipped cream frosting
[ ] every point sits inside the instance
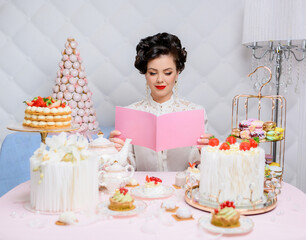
(169, 204)
(183, 213)
(68, 218)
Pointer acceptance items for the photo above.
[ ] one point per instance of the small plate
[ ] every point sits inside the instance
(139, 192)
(140, 206)
(246, 225)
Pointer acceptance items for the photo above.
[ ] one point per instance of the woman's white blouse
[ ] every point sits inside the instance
(145, 159)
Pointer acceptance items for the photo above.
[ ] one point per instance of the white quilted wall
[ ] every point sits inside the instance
(33, 33)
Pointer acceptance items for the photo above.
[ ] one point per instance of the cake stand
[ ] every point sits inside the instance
(276, 104)
(266, 204)
(43, 132)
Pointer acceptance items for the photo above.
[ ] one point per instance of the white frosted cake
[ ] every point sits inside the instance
(153, 186)
(235, 172)
(64, 175)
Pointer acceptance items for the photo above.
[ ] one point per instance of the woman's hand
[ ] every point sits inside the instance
(203, 140)
(113, 137)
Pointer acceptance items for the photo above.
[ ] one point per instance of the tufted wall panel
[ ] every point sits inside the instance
(33, 33)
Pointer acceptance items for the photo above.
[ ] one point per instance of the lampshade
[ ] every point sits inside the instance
(274, 20)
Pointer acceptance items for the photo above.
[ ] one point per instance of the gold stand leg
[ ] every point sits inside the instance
(43, 136)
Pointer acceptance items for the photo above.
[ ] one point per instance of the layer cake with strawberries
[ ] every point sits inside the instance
(233, 171)
(47, 113)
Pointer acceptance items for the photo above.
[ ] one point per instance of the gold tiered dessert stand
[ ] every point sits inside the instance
(269, 200)
(278, 111)
(43, 132)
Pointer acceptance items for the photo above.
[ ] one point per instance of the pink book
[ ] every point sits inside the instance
(171, 130)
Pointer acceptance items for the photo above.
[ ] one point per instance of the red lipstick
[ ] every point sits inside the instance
(160, 87)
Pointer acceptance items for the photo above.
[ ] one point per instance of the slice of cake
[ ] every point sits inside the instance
(226, 216)
(47, 113)
(153, 185)
(121, 201)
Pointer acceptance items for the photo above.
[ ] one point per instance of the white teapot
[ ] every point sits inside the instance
(115, 175)
(107, 152)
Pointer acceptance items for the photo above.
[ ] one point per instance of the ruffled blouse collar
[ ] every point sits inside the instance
(161, 105)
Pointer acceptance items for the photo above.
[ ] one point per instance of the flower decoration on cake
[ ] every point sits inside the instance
(225, 215)
(72, 85)
(47, 113)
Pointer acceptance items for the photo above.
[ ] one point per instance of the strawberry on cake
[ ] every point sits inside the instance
(47, 113)
(232, 170)
(153, 185)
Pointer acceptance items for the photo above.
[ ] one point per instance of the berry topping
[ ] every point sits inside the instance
(123, 191)
(253, 143)
(216, 211)
(231, 139)
(192, 165)
(244, 146)
(225, 146)
(227, 204)
(45, 102)
(213, 141)
(153, 179)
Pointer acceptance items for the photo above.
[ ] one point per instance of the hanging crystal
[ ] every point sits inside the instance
(297, 85)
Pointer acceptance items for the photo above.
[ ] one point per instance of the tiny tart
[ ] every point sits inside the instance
(121, 201)
(226, 216)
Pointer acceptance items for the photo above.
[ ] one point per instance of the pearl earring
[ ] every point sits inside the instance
(176, 90)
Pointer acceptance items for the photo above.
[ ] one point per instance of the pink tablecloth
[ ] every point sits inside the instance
(287, 221)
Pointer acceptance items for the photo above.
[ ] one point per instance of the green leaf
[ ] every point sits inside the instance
(256, 139)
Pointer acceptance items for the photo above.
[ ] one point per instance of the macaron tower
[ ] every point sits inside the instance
(71, 85)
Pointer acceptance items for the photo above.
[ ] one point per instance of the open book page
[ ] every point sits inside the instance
(171, 130)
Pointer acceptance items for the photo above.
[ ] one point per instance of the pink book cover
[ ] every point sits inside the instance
(171, 130)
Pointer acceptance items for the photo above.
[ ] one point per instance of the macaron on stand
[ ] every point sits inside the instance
(273, 128)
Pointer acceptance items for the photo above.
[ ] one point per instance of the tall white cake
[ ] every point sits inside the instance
(233, 171)
(64, 175)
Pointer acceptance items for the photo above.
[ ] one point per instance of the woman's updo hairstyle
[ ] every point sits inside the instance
(160, 44)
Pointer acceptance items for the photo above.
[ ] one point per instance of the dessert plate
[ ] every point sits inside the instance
(140, 206)
(165, 192)
(246, 225)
